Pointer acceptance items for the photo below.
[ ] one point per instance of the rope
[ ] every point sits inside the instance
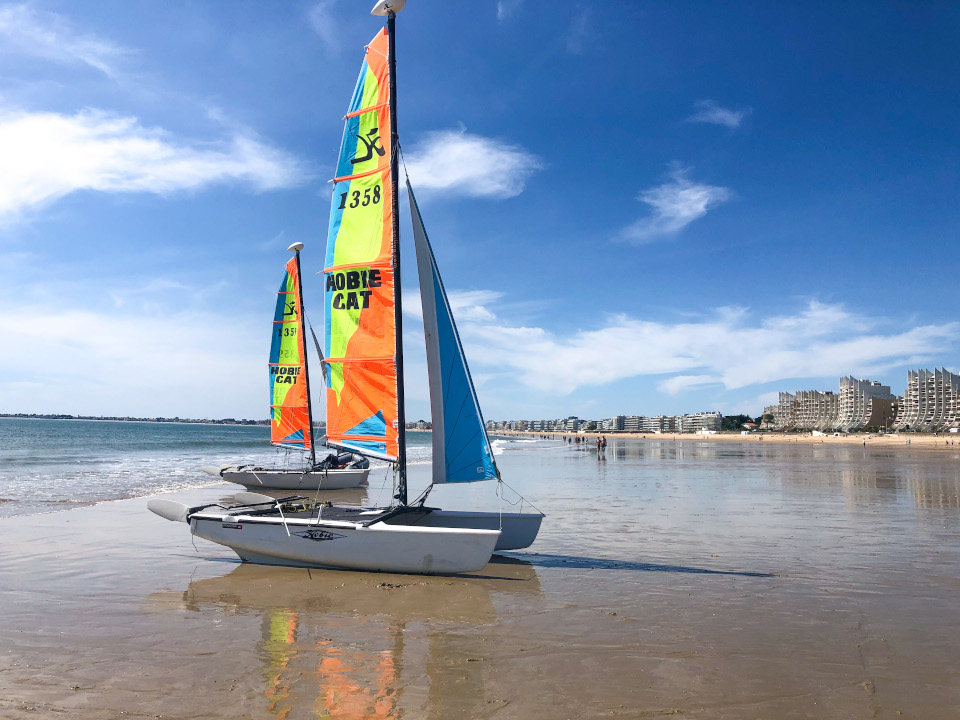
(521, 500)
(380, 491)
(500, 508)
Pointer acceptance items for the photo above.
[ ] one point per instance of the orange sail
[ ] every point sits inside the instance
(289, 394)
(359, 301)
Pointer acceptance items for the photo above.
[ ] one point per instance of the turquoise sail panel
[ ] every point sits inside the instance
(461, 448)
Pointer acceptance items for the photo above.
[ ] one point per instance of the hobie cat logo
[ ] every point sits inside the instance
(318, 535)
(372, 142)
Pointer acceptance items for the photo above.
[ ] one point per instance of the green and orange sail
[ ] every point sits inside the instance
(361, 377)
(289, 391)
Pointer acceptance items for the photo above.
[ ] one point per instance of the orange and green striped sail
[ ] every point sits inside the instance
(289, 394)
(358, 273)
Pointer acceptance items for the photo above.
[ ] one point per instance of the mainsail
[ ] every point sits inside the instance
(362, 408)
(289, 394)
(461, 449)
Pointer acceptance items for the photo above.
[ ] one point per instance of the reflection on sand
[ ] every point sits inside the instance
(363, 645)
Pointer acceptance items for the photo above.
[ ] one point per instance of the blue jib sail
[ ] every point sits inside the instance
(461, 449)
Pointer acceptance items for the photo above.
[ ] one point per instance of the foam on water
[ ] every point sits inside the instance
(53, 465)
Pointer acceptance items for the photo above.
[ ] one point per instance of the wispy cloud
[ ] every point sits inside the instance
(578, 32)
(730, 347)
(324, 24)
(506, 8)
(676, 203)
(51, 37)
(48, 155)
(129, 364)
(710, 112)
(463, 164)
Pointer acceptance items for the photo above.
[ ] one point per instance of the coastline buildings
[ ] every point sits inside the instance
(619, 423)
(931, 402)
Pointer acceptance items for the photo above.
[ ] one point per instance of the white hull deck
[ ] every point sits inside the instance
(517, 530)
(256, 478)
(346, 545)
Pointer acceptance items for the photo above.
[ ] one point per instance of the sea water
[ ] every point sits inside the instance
(746, 499)
(52, 465)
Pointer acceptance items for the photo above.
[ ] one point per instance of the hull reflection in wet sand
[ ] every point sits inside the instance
(348, 645)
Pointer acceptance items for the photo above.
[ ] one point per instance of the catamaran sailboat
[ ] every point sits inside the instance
(364, 381)
(291, 408)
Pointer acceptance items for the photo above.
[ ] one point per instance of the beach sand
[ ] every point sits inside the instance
(111, 612)
(913, 441)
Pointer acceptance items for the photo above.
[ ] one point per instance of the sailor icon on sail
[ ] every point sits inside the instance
(290, 308)
(372, 143)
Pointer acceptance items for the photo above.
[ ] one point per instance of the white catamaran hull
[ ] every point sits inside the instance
(273, 479)
(379, 547)
(517, 530)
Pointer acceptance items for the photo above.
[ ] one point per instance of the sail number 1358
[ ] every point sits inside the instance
(356, 198)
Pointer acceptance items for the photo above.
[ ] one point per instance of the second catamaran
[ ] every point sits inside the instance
(291, 408)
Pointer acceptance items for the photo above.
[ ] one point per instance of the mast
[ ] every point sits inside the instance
(397, 308)
(297, 247)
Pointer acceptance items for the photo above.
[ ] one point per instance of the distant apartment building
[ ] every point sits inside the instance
(614, 424)
(815, 410)
(658, 424)
(782, 414)
(931, 402)
(699, 421)
(865, 404)
(631, 423)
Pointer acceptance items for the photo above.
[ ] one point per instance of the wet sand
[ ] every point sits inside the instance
(708, 583)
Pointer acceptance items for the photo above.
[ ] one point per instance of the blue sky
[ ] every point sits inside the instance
(638, 207)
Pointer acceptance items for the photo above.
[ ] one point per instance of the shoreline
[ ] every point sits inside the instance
(912, 441)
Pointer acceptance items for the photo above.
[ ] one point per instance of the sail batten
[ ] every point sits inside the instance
(360, 329)
(461, 448)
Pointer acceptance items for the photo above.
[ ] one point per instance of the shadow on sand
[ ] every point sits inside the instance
(548, 560)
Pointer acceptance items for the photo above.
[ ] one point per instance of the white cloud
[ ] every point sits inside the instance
(323, 23)
(729, 348)
(578, 32)
(710, 112)
(50, 36)
(471, 305)
(463, 164)
(678, 383)
(80, 361)
(506, 8)
(48, 155)
(676, 204)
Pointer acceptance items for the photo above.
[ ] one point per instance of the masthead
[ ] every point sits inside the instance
(385, 7)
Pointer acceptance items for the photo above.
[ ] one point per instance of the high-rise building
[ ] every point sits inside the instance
(865, 404)
(931, 401)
